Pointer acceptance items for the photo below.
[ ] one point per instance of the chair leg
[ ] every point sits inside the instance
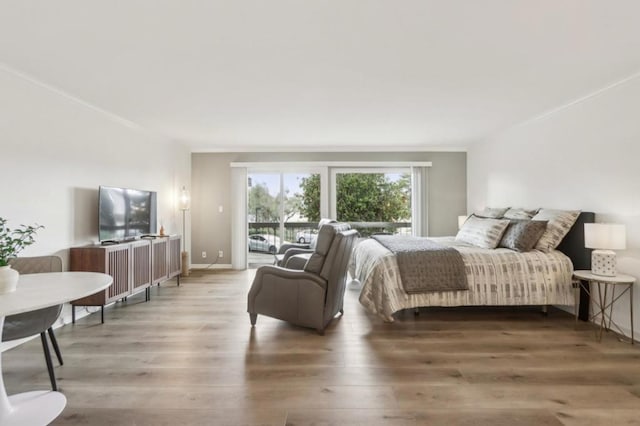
(253, 318)
(54, 343)
(47, 357)
(320, 331)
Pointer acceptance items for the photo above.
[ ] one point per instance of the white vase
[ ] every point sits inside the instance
(8, 279)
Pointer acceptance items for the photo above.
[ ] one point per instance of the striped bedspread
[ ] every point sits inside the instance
(496, 277)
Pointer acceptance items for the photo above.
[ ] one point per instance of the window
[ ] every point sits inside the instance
(293, 197)
(373, 200)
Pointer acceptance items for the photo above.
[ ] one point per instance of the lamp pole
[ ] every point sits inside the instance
(184, 228)
(184, 206)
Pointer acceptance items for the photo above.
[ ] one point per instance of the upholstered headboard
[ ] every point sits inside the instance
(573, 243)
(573, 246)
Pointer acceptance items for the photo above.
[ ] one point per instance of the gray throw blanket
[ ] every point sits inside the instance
(426, 265)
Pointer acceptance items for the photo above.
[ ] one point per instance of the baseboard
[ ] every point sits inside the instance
(210, 266)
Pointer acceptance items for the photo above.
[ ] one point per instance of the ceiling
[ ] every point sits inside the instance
(323, 75)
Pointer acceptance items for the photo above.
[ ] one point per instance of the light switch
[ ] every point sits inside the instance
(220, 209)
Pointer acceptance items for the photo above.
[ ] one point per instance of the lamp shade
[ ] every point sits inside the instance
(184, 199)
(607, 236)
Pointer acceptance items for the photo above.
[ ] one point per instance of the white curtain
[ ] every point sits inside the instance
(420, 201)
(239, 217)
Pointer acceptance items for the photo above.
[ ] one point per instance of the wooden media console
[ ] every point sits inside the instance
(134, 266)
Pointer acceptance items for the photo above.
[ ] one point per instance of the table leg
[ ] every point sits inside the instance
(576, 299)
(601, 308)
(613, 299)
(631, 310)
(5, 406)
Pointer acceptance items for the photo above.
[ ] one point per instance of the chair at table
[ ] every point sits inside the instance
(310, 297)
(39, 321)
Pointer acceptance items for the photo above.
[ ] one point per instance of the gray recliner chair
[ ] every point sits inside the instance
(310, 297)
(40, 321)
(295, 255)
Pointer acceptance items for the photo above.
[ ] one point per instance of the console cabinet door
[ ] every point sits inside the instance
(159, 253)
(112, 260)
(117, 258)
(141, 262)
(175, 259)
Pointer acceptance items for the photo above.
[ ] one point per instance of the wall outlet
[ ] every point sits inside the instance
(204, 254)
(220, 254)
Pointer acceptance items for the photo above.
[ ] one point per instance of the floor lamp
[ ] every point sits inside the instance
(184, 206)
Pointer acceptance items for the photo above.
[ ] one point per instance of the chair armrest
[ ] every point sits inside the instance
(292, 252)
(289, 274)
(297, 262)
(284, 247)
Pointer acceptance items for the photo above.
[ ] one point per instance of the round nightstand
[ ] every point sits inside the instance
(601, 299)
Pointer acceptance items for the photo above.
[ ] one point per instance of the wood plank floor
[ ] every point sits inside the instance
(190, 357)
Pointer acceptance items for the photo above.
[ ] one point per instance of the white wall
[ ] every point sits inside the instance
(584, 156)
(54, 153)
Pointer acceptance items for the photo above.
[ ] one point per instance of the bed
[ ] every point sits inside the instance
(495, 277)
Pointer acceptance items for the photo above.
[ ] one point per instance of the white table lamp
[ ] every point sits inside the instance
(604, 238)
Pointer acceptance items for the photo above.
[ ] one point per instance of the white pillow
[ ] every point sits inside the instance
(482, 232)
(559, 224)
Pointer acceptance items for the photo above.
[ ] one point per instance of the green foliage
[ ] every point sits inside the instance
(361, 197)
(310, 198)
(266, 207)
(12, 241)
(262, 204)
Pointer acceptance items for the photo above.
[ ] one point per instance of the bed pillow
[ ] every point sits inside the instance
(494, 213)
(520, 213)
(482, 232)
(559, 224)
(522, 235)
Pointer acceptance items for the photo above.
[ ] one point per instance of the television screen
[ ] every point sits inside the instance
(125, 213)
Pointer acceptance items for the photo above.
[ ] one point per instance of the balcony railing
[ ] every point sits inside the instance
(292, 228)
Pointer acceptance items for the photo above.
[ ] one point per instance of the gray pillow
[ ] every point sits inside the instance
(520, 213)
(482, 232)
(560, 222)
(492, 212)
(522, 235)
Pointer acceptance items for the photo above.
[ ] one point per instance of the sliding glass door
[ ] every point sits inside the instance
(282, 207)
(283, 202)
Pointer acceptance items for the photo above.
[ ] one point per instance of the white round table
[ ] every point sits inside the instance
(37, 291)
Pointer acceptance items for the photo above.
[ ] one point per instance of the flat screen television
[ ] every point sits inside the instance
(125, 214)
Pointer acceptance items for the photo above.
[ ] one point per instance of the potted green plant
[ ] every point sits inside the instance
(12, 241)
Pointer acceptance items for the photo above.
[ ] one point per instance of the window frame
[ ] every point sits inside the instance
(239, 185)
